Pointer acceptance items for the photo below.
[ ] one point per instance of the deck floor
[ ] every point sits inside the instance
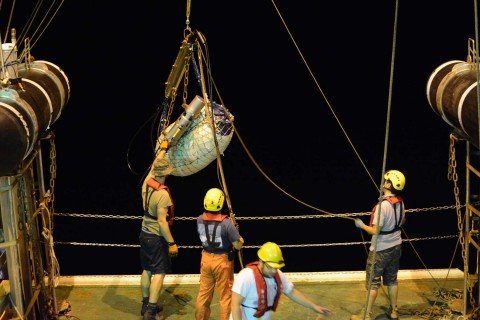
(343, 293)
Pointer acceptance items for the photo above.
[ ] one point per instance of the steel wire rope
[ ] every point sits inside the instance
(375, 239)
(210, 116)
(477, 66)
(29, 23)
(385, 148)
(331, 109)
(338, 121)
(44, 19)
(324, 96)
(244, 146)
(386, 135)
(9, 18)
(42, 27)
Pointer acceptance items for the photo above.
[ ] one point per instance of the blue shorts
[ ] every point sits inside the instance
(387, 264)
(154, 254)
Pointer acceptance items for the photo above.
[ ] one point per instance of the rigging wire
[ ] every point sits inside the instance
(331, 109)
(44, 20)
(465, 238)
(210, 115)
(324, 96)
(219, 165)
(338, 121)
(250, 156)
(387, 130)
(22, 38)
(346, 135)
(9, 18)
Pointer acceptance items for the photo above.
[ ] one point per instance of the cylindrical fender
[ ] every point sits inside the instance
(452, 94)
(18, 131)
(28, 107)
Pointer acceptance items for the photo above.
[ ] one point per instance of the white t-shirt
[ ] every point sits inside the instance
(245, 286)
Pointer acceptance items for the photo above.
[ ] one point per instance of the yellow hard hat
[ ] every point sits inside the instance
(214, 200)
(271, 254)
(397, 178)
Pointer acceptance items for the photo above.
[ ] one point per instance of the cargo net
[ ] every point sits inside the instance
(196, 148)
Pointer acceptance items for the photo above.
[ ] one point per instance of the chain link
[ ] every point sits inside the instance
(53, 172)
(453, 175)
(310, 245)
(185, 81)
(170, 109)
(313, 216)
(81, 215)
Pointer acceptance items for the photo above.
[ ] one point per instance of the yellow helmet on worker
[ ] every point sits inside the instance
(213, 200)
(396, 178)
(271, 254)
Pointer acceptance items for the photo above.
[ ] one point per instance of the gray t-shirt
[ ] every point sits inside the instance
(387, 222)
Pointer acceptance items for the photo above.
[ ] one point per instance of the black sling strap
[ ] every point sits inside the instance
(211, 241)
(147, 204)
(397, 222)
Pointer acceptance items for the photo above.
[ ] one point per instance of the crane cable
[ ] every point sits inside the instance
(323, 95)
(211, 121)
(223, 182)
(385, 148)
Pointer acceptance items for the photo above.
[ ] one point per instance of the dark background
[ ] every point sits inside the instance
(118, 57)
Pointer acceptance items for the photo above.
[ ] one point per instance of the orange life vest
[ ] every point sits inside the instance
(262, 290)
(157, 186)
(393, 200)
(207, 216)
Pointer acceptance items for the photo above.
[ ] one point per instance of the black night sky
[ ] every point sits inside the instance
(309, 84)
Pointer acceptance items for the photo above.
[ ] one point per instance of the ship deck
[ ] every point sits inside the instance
(423, 294)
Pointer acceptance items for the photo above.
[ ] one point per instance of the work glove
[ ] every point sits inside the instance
(359, 223)
(173, 250)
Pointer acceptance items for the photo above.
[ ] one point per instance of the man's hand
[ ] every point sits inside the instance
(322, 310)
(359, 223)
(173, 250)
